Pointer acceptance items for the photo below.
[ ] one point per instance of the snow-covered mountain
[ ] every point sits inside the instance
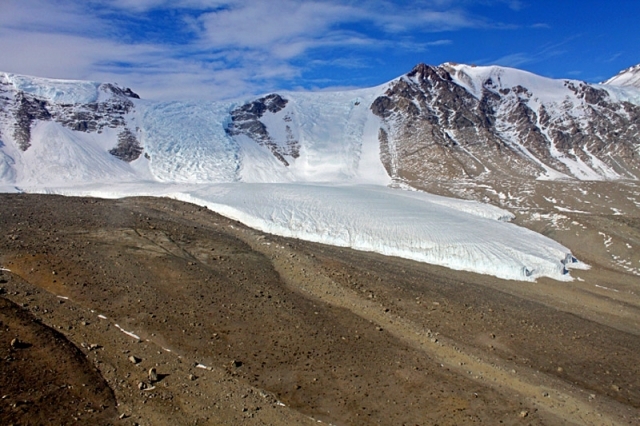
(458, 121)
(448, 123)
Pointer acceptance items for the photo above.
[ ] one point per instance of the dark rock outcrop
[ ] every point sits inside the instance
(245, 120)
(128, 148)
(28, 109)
(119, 91)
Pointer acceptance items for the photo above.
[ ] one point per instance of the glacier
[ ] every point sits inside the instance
(458, 234)
(336, 192)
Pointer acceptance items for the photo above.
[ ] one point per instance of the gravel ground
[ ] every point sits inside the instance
(241, 327)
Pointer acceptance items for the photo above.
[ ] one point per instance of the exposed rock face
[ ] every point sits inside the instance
(128, 148)
(441, 122)
(109, 109)
(27, 110)
(246, 120)
(95, 116)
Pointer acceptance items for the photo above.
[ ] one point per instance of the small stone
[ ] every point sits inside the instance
(142, 385)
(192, 377)
(94, 346)
(560, 369)
(134, 359)
(123, 416)
(153, 375)
(615, 388)
(237, 363)
(15, 343)
(524, 414)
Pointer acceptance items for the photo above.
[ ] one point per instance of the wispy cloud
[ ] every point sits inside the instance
(513, 60)
(547, 51)
(614, 57)
(541, 25)
(216, 48)
(439, 43)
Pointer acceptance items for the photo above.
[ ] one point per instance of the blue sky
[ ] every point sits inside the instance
(218, 49)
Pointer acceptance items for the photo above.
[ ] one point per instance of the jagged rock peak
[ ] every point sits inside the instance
(627, 77)
(423, 70)
(272, 103)
(119, 91)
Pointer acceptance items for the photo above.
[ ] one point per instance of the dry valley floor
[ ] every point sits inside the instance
(152, 311)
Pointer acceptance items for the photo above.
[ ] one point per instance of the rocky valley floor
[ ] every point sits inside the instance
(152, 311)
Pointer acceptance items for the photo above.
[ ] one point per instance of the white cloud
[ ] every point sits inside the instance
(65, 56)
(42, 15)
(221, 48)
(256, 24)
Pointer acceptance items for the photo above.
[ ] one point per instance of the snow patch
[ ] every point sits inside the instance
(128, 333)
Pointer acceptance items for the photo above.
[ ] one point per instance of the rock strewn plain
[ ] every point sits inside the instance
(247, 328)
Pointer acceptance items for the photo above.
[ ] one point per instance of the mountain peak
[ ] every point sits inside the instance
(423, 71)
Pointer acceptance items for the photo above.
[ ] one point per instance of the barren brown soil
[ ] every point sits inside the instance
(247, 328)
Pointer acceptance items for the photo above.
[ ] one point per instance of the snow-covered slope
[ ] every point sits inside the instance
(314, 137)
(334, 136)
(628, 77)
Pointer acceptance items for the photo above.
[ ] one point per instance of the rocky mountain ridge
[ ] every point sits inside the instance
(462, 122)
